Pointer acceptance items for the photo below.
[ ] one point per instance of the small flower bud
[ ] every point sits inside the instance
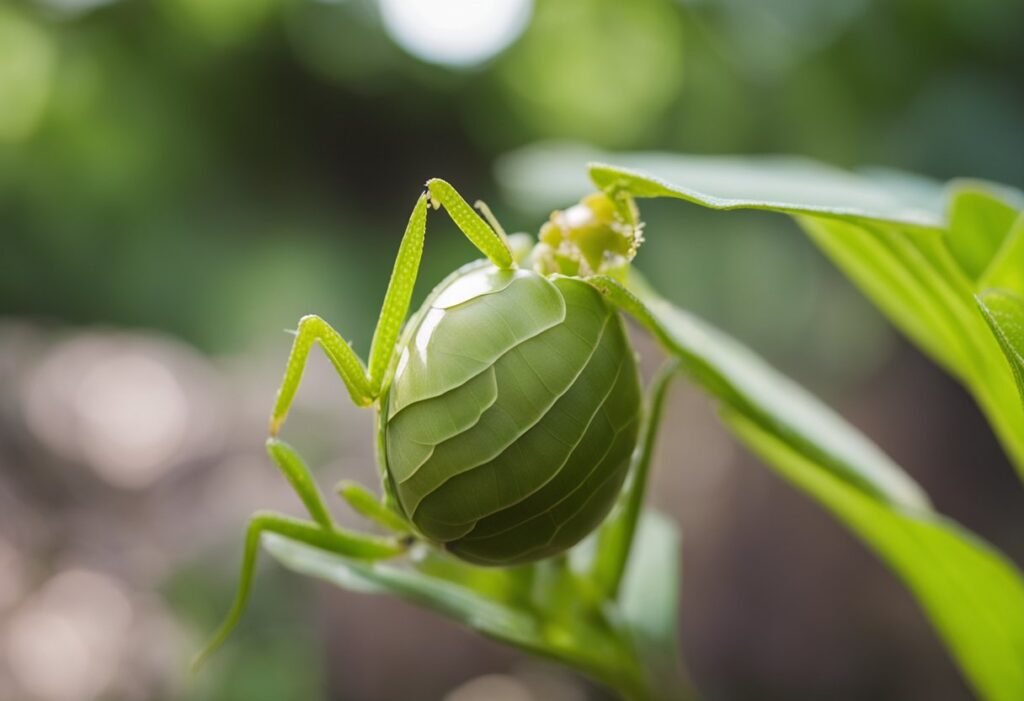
(598, 235)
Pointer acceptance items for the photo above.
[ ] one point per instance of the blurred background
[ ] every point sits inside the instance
(181, 180)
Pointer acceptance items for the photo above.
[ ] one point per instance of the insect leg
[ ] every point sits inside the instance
(335, 540)
(398, 296)
(312, 329)
(366, 504)
(487, 214)
(491, 243)
(364, 386)
(301, 479)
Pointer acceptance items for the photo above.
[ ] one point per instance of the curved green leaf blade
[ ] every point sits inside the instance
(973, 596)
(792, 185)
(745, 383)
(891, 265)
(460, 601)
(1006, 270)
(922, 271)
(978, 221)
(543, 609)
(1004, 311)
(916, 282)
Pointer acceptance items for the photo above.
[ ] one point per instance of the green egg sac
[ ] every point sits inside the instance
(512, 415)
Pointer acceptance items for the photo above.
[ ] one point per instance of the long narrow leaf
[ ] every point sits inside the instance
(1006, 270)
(1004, 312)
(741, 380)
(973, 595)
(792, 185)
(978, 222)
(633, 651)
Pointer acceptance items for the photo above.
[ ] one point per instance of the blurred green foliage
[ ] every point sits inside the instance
(216, 168)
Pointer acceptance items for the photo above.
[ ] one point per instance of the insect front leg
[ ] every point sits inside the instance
(364, 384)
(312, 329)
(491, 243)
(488, 241)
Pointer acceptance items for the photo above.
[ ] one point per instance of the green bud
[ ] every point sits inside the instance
(597, 236)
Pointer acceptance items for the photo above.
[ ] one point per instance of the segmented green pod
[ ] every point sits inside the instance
(512, 415)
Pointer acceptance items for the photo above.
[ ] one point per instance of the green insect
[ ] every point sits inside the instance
(507, 409)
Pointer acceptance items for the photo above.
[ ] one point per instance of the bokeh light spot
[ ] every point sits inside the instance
(134, 415)
(130, 408)
(491, 687)
(65, 643)
(455, 32)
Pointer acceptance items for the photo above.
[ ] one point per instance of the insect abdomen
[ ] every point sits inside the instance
(512, 416)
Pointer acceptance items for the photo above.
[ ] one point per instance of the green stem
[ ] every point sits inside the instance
(616, 538)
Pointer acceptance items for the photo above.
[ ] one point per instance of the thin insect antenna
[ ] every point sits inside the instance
(491, 219)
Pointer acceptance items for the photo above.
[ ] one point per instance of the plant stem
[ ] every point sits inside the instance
(616, 538)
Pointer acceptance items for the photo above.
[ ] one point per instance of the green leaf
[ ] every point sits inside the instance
(864, 227)
(973, 595)
(792, 185)
(1004, 312)
(901, 255)
(887, 264)
(546, 609)
(978, 221)
(447, 596)
(744, 382)
(1006, 270)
